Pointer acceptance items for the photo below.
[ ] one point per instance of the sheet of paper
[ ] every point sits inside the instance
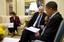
(10, 25)
(7, 39)
(35, 30)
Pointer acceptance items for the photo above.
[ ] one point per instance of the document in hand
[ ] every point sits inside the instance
(33, 29)
(10, 25)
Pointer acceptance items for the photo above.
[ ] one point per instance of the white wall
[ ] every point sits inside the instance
(20, 7)
(2, 7)
(61, 7)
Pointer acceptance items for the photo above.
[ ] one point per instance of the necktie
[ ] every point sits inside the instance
(38, 21)
(35, 23)
(38, 24)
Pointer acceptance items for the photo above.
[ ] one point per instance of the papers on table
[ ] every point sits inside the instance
(33, 29)
(7, 39)
(10, 25)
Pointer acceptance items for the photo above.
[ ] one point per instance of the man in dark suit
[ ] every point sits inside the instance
(36, 21)
(55, 19)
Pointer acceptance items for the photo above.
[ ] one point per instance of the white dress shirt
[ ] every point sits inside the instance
(37, 21)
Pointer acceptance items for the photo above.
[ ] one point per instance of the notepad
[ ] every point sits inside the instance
(10, 25)
(33, 29)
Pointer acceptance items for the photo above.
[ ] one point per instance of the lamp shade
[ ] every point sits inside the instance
(33, 6)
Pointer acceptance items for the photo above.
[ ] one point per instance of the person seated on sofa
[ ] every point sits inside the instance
(16, 21)
(36, 21)
(54, 21)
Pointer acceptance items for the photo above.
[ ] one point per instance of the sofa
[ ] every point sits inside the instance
(23, 19)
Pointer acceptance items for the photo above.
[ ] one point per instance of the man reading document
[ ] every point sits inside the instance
(33, 26)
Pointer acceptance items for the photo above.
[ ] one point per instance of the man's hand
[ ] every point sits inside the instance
(37, 34)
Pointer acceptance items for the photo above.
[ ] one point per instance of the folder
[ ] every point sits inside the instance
(10, 25)
(33, 29)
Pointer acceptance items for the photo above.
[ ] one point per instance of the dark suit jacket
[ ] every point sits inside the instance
(33, 19)
(16, 21)
(52, 28)
(28, 35)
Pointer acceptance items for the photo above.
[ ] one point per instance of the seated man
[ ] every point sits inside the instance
(36, 21)
(54, 21)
